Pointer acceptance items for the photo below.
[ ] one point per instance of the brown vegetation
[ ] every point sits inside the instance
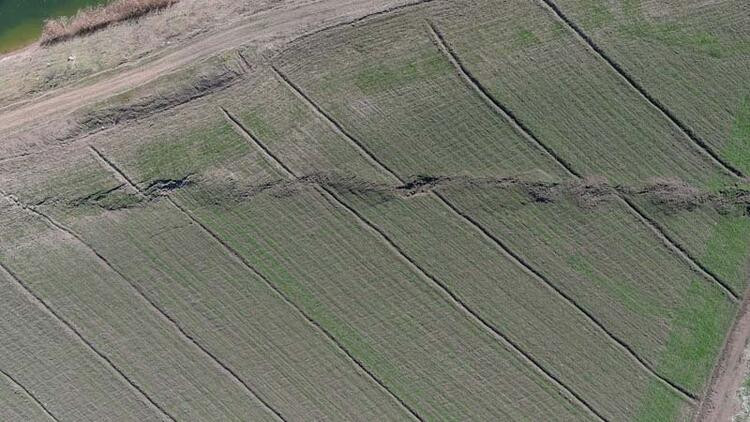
(95, 18)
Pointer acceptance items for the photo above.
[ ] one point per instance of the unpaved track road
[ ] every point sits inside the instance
(720, 403)
(282, 23)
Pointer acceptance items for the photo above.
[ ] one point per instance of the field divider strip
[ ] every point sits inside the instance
(504, 249)
(521, 262)
(236, 255)
(492, 102)
(286, 171)
(553, 8)
(268, 156)
(107, 362)
(527, 133)
(629, 205)
(31, 395)
(678, 249)
(331, 196)
(459, 304)
(119, 175)
(337, 128)
(245, 65)
(221, 365)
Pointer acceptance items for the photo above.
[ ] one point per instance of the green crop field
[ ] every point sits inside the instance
(458, 210)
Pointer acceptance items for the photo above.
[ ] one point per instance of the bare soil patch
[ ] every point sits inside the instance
(266, 29)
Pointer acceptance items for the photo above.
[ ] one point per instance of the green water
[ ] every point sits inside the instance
(21, 20)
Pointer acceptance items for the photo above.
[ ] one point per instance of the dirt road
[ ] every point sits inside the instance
(721, 403)
(283, 23)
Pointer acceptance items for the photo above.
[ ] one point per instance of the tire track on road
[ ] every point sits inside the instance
(30, 393)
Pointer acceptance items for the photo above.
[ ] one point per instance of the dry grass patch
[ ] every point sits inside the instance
(95, 18)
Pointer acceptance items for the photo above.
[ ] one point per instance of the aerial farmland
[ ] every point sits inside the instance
(376, 210)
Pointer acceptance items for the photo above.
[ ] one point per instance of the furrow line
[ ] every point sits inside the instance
(107, 362)
(529, 134)
(436, 284)
(216, 361)
(679, 250)
(492, 102)
(504, 249)
(526, 266)
(318, 111)
(254, 141)
(31, 395)
(282, 168)
(553, 8)
(459, 304)
(288, 301)
(650, 223)
(142, 295)
(120, 176)
(244, 64)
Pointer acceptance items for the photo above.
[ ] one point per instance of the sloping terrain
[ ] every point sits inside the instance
(441, 210)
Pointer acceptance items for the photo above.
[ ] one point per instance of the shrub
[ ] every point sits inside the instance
(94, 18)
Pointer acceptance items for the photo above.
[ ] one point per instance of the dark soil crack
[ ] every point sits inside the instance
(667, 196)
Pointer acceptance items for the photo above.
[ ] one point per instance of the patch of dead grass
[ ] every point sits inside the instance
(94, 18)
